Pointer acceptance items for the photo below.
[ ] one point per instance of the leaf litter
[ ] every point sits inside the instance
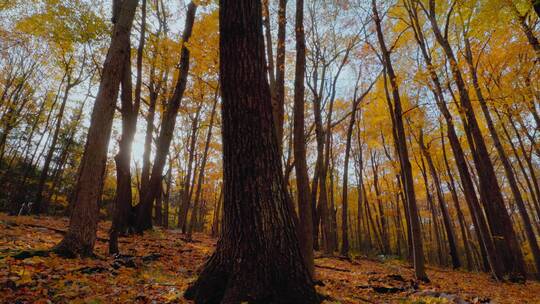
(158, 266)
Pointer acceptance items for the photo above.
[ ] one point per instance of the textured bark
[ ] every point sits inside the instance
(144, 212)
(305, 231)
(279, 89)
(81, 235)
(217, 213)
(269, 49)
(257, 259)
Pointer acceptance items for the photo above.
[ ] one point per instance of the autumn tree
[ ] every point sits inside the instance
(148, 195)
(248, 264)
(81, 236)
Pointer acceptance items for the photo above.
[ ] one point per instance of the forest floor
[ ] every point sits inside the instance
(157, 268)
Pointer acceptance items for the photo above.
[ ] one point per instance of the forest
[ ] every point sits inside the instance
(270, 151)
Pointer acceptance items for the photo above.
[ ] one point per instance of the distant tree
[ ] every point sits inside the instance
(149, 193)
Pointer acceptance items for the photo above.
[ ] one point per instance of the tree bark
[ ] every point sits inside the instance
(512, 181)
(81, 235)
(408, 182)
(499, 221)
(305, 231)
(144, 212)
(258, 258)
(279, 89)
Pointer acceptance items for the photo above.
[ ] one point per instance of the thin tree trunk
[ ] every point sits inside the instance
(418, 251)
(81, 235)
(305, 231)
(518, 199)
(144, 214)
(200, 179)
(190, 174)
(442, 204)
(501, 226)
(39, 205)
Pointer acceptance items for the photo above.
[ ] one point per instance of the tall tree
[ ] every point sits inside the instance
(401, 144)
(248, 264)
(447, 221)
(41, 206)
(300, 163)
(490, 192)
(200, 179)
(123, 213)
(344, 196)
(81, 235)
(479, 220)
(148, 195)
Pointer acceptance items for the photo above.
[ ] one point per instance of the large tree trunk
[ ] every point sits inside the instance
(144, 211)
(81, 235)
(305, 231)
(258, 258)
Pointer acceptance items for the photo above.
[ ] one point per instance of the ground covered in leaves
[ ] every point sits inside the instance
(157, 268)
